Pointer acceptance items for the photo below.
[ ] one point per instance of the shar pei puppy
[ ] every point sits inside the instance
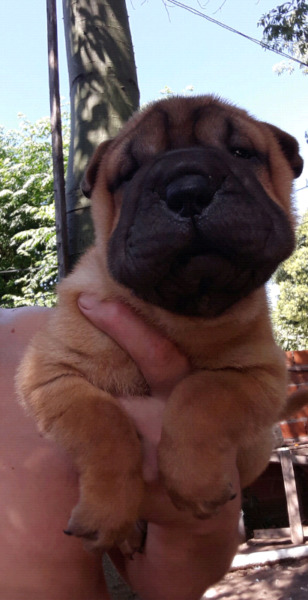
(192, 215)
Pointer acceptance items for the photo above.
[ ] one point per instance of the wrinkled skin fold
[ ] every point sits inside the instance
(201, 257)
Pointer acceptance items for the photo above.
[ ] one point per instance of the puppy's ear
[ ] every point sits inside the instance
(90, 175)
(290, 148)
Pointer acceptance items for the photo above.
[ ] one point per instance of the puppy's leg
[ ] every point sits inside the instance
(103, 444)
(207, 418)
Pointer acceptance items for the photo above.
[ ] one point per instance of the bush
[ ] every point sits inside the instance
(28, 257)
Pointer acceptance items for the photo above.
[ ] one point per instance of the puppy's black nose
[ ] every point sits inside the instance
(189, 194)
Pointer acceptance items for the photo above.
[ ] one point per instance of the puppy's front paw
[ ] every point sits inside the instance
(196, 478)
(107, 519)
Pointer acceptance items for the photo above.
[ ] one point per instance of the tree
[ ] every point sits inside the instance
(290, 316)
(104, 93)
(285, 29)
(28, 258)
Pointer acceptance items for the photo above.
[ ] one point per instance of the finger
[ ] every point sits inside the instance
(158, 359)
(147, 417)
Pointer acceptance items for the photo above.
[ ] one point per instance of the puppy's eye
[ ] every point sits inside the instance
(125, 173)
(245, 153)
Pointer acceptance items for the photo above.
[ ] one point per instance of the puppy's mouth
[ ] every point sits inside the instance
(197, 233)
(201, 284)
(193, 284)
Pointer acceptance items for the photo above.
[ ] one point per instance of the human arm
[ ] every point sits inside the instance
(38, 489)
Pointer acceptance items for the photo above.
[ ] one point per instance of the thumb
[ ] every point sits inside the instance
(160, 362)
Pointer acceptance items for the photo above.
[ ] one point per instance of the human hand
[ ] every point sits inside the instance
(160, 362)
(177, 543)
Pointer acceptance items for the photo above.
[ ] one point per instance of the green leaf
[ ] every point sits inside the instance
(28, 258)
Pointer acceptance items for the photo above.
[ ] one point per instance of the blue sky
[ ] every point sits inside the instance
(172, 48)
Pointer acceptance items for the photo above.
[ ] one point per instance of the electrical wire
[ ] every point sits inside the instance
(232, 30)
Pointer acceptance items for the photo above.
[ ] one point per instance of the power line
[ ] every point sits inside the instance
(224, 26)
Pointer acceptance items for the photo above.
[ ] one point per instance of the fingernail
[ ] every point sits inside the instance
(88, 301)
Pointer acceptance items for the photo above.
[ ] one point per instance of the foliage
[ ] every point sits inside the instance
(285, 29)
(28, 259)
(290, 316)
(167, 91)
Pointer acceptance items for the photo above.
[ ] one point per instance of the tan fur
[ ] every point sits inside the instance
(72, 373)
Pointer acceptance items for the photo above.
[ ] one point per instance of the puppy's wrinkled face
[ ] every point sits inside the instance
(203, 215)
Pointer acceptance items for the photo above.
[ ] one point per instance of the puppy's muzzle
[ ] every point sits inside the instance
(185, 180)
(197, 232)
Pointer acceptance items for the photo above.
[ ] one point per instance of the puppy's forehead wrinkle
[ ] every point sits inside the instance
(150, 136)
(158, 116)
(161, 130)
(230, 131)
(165, 115)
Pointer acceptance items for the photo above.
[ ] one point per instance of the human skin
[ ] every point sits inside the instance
(38, 489)
(183, 556)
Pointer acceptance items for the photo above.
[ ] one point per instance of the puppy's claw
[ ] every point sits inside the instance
(202, 508)
(87, 535)
(141, 527)
(135, 541)
(67, 532)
